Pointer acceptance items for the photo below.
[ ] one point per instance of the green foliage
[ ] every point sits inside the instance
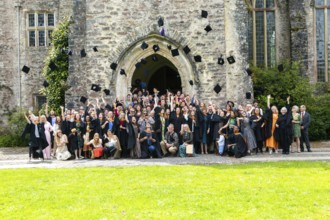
(55, 92)
(280, 85)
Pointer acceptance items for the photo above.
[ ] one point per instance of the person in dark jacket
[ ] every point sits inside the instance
(305, 122)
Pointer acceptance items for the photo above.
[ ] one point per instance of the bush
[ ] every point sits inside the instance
(13, 140)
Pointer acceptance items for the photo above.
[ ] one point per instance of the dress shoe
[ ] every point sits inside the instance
(309, 150)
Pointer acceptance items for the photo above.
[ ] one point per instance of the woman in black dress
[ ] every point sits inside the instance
(257, 122)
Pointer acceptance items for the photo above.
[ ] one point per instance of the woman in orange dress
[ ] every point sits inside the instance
(270, 119)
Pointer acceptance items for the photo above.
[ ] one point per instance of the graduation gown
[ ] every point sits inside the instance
(144, 146)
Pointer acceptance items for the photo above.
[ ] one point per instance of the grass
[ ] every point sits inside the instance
(283, 190)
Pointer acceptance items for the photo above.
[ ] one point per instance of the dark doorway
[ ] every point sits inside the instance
(165, 78)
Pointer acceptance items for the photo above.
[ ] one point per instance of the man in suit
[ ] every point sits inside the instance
(305, 122)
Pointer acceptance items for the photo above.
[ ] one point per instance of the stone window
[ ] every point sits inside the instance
(322, 27)
(40, 25)
(261, 33)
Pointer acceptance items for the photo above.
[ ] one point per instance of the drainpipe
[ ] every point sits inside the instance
(18, 7)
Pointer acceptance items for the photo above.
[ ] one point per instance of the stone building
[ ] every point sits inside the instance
(262, 32)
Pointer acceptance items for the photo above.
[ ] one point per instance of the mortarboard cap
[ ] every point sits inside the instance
(138, 65)
(122, 72)
(26, 69)
(113, 66)
(280, 67)
(52, 66)
(144, 45)
(248, 95)
(160, 22)
(154, 58)
(191, 82)
(249, 71)
(221, 61)
(45, 84)
(204, 14)
(83, 53)
(208, 28)
(70, 53)
(169, 47)
(83, 99)
(186, 49)
(106, 91)
(96, 88)
(155, 48)
(198, 58)
(95, 49)
(175, 52)
(231, 59)
(217, 88)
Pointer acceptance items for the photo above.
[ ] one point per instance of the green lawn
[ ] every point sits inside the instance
(286, 190)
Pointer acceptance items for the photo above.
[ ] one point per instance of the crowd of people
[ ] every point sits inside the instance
(173, 124)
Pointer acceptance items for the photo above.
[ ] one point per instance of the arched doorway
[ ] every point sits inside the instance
(157, 72)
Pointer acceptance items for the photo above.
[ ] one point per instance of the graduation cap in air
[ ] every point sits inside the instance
(45, 84)
(248, 95)
(106, 91)
(186, 49)
(95, 49)
(175, 52)
(221, 61)
(96, 87)
(160, 22)
(83, 53)
(26, 69)
(70, 53)
(208, 28)
(52, 66)
(249, 71)
(155, 48)
(231, 60)
(144, 61)
(138, 65)
(217, 88)
(122, 72)
(198, 58)
(280, 67)
(204, 14)
(162, 32)
(191, 82)
(113, 66)
(154, 58)
(83, 99)
(169, 46)
(144, 45)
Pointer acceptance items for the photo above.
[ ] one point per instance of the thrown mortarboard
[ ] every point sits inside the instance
(83, 99)
(198, 58)
(122, 72)
(231, 59)
(162, 32)
(83, 53)
(113, 66)
(52, 66)
(175, 52)
(221, 61)
(217, 88)
(106, 91)
(96, 88)
(155, 47)
(26, 69)
(186, 49)
(95, 49)
(208, 28)
(45, 84)
(144, 61)
(154, 58)
(248, 95)
(169, 46)
(160, 22)
(70, 53)
(249, 71)
(280, 67)
(144, 45)
(138, 65)
(204, 14)
(191, 82)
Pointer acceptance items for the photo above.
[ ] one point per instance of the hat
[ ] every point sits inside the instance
(138, 65)
(198, 58)
(113, 66)
(45, 84)
(208, 28)
(154, 58)
(83, 99)
(231, 59)
(95, 49)
(26, 69)
(106, 91)
(221, 61)
(144, 61)
(52, 66)
(160, 22)
(231, 103)
(122, 72)
(249, 71)
(83, 53)
(155, 48)
(169, 46)
(280, 67)
(175, 52)
(144, 45)
(70, 53)
(143, 85)
(191, 82)
(217, 88)
(186, 49)
(248, 95)
(204, 14)
(96, 87)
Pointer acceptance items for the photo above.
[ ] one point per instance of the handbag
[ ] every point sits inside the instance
(189, 149)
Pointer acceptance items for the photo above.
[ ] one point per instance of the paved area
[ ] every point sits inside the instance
(12, 158)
